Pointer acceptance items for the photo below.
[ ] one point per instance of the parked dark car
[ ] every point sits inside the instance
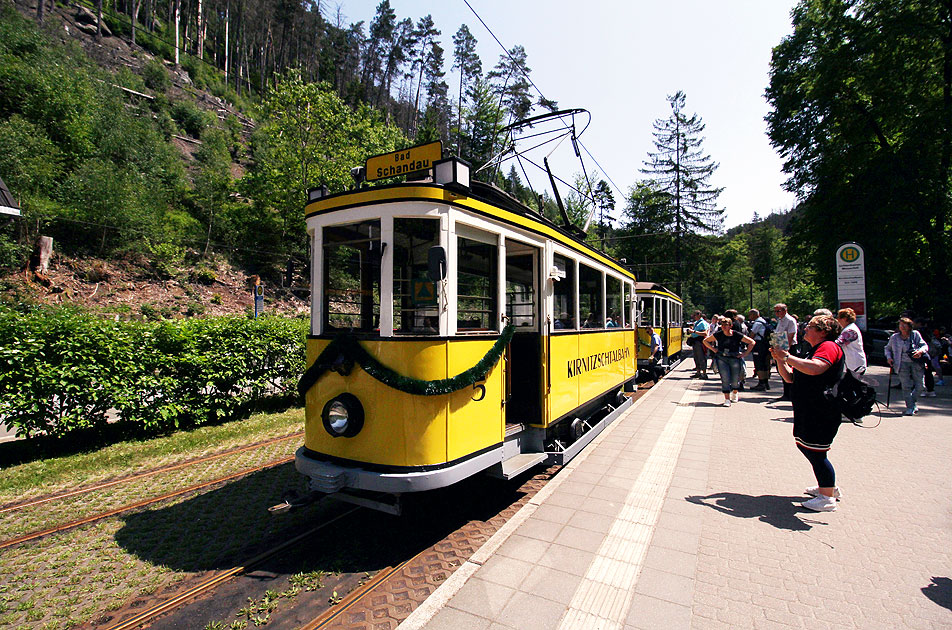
(874, 343)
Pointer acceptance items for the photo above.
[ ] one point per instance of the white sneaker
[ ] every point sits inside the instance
(928, 394)
(727, 403)
(734, 396)
(814, 491)
(820, 504)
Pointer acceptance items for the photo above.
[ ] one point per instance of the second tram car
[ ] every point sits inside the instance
(455, 331)
(660, 309)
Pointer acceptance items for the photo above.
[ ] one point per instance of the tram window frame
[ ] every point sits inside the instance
(564, 294)
(613, 310)
(488, 314)
(424, 319)
(589, 299)
(368, 250)
(516, 288)
(647, 312)
(628, 308)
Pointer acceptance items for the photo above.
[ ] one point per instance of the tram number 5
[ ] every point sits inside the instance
(479, 392)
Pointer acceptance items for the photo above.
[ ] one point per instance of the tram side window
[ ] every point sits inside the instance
(590, 297)
(415, 296)
(352, 276)
(476, 285)
(520, 290)
(628, 305)
(613, 291)
(564, 294)
(647, 312)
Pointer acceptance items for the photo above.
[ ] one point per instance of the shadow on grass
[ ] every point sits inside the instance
(18, 452)
(227, 526)
(781, 512)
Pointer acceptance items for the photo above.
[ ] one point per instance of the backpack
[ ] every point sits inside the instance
(854, 398)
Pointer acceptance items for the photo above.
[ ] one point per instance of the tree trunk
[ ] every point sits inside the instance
(227, 17)
(136, 5)
(40, 8)
(201, 30)
(178, 16)
(40, 261)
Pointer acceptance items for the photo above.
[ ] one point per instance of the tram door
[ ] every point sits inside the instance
(524, 377)
(665, 332)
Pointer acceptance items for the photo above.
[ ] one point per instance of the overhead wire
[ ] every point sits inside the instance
(542, 96)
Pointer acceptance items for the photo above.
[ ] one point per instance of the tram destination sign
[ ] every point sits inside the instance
(404, 162)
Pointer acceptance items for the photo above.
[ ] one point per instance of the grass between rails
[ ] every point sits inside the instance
(55, 474)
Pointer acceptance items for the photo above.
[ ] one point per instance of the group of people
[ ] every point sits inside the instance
(810, 358)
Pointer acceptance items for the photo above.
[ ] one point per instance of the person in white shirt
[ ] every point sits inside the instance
(851, 340)
(786, 325)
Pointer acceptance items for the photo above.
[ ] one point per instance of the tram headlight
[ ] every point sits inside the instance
(343, 416)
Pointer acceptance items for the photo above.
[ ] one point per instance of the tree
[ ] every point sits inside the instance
(470, 69)
(510, 80)
(861, 98)
(682, 170)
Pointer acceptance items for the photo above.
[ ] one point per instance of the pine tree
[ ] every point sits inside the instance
(470, 69)
(682, 170)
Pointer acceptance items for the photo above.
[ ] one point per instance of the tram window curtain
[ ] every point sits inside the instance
(352, 276)
(590, 297)
(613, 292)
(476, 285)
(563, 291)
(415, 296)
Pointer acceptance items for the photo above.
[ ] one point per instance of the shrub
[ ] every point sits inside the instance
(155, 75)
(62, 370)
(190, 118)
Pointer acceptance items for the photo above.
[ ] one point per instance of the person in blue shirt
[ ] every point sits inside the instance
(698, 332)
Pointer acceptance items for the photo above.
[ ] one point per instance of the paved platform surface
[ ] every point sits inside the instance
(686, 514)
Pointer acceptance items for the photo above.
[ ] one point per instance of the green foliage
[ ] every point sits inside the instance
(29, 161)
(190, 118)
(155, 75)
(62, 370)
(861, 114)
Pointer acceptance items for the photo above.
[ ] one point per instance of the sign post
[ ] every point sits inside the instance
(259, 298)
(851, 280)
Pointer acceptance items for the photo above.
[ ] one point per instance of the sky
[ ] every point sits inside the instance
(621, 59)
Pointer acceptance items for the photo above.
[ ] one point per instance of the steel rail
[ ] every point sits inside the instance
(207, 585)
(148, 473)
(132, 506)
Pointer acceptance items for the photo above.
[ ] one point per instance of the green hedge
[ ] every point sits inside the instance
(62, 370)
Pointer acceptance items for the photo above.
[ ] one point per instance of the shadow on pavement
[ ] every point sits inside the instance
(781, 512)
(940, 591)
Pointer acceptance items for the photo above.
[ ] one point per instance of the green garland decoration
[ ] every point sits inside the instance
(341, 354)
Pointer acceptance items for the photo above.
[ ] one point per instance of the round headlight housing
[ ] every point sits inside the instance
(343, 416)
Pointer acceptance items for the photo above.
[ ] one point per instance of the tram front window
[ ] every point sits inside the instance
(415, 296)
(476, 285)
(352, 276)
(590, 297)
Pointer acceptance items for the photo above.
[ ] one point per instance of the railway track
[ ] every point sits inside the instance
(42, 503)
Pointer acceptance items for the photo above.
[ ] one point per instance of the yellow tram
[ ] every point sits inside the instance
(660, 309)
(454, 331)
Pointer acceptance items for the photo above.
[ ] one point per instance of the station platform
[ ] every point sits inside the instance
(686, 514)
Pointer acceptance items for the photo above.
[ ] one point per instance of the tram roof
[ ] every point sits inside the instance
(482, 198)
(654, 287)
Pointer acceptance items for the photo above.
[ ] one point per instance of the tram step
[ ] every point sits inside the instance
(517, 464)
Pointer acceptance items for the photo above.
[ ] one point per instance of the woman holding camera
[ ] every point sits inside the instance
(816, 418)
(904, 353)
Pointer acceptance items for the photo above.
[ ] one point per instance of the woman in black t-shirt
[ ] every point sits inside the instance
(726, 344)
(816, 418)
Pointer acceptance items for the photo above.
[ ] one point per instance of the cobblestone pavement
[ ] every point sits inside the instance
(712, 533)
